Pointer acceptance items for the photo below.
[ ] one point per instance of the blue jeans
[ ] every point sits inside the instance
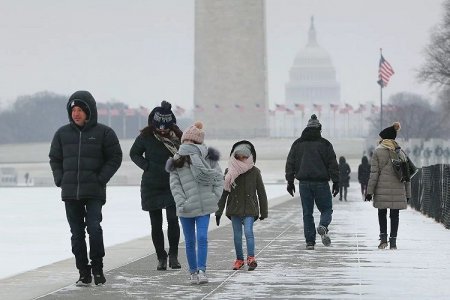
(315, 192)
(196, 259)
(82, 214)
(237, 223)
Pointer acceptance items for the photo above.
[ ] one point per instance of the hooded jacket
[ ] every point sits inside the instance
(83, 160)
(196, 187)
(312, 158)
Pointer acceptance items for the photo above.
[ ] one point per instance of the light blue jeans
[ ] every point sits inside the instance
(237, 223)
(196, 257)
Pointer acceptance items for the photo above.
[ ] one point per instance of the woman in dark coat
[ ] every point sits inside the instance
(363, 175)
(344, 177)
(158, 142)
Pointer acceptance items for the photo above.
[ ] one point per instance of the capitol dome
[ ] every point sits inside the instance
(312, 77)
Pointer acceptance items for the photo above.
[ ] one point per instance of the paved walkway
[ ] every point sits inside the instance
(352, 268)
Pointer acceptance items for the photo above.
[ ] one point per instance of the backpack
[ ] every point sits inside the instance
(402, 165)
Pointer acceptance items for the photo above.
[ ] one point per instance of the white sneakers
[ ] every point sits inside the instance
(198, 277)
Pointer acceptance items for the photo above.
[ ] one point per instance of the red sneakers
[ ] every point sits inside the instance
(251, 262)
(238, 263)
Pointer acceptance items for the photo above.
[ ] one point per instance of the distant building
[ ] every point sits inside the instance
(230, 77)
(8, 176)
(312, 77)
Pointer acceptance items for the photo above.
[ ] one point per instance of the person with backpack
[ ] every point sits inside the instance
(385, 187)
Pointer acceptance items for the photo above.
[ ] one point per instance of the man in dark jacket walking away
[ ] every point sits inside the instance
(312, 161)
(84, 155)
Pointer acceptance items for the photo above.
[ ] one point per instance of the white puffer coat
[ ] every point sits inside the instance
(384, 185)
(196, 192)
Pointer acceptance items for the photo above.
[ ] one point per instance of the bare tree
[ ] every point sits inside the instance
(418, 118)
(436, 69)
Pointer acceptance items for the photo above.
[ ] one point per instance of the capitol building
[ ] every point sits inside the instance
(312, 77)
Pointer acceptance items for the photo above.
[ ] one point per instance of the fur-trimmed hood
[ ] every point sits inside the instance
(206, 152)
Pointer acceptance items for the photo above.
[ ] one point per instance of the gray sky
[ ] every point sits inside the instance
(141, 51)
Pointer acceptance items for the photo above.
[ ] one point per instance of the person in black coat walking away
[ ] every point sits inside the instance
(84, 155)
(344, 178)
(156, 143)
(363, 175)
(312, 161)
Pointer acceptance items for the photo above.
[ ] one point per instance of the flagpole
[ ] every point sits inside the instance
(381, 98)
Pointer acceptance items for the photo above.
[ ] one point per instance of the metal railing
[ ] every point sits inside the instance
(431, 192)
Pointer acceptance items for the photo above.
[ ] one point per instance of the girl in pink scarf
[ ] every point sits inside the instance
(245, 198)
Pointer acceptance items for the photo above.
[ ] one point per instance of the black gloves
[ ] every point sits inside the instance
(218, 219)
(291, 188)
(368, 197)
(335, 188)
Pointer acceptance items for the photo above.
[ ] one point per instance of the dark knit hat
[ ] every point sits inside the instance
(314, 123)
(83, 105)
(162, 117)
(390, 132)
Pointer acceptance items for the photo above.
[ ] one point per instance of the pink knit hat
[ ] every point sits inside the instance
(194, 133)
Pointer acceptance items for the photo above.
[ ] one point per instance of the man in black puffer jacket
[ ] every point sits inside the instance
(312, 161)
(84, 155)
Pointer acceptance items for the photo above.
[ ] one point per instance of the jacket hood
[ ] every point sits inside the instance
(205, 152)
(252, 148)
(88, 99)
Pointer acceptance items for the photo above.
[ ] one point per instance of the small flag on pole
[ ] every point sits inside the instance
(385, 71)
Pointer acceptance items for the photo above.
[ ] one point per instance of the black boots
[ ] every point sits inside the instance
(393, 243)
(173, 262)
(99, 277)
(162, 264)
(383, 241)
(85, 277)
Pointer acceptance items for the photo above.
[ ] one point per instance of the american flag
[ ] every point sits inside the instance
(385, 72)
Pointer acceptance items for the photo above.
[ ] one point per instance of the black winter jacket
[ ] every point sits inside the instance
(151, 156)
(311, 158)
(84, 160)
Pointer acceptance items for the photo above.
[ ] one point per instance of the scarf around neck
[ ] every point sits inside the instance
(236, 168)
(172, 143)
(389, 144)
(203, 173)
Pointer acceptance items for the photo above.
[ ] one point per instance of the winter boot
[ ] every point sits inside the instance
(393, 243)
(173, 262)
(323, 232)
(383, 241)
(309, 246)
(162, 264)
(251, 263)
(99, 277)
(85, 277)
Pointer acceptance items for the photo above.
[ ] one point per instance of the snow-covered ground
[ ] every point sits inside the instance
(34, 231)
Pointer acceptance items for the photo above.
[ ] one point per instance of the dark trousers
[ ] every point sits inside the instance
(364, 189)
(82, 214)
(342, 191)
(173, 231)
(382, 220)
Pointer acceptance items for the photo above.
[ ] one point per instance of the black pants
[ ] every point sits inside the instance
(342, 191)
(364, 189)
(382, 220)
(82, 214)
(173, 231)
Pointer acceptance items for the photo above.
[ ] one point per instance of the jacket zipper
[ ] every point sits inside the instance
(78, 169)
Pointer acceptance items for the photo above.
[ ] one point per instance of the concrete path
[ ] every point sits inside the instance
(352, 268)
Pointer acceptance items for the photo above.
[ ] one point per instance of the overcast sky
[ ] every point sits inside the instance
(141, 51)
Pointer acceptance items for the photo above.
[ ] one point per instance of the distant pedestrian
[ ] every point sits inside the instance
(84, 155)
(156, 143)
(196, 182)
(363, 175)
(312, 161)
(344, 178)
(385, 188)
(27, 178)
(245, 198)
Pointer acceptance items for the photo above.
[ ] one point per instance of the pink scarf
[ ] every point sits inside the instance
(236, 168)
